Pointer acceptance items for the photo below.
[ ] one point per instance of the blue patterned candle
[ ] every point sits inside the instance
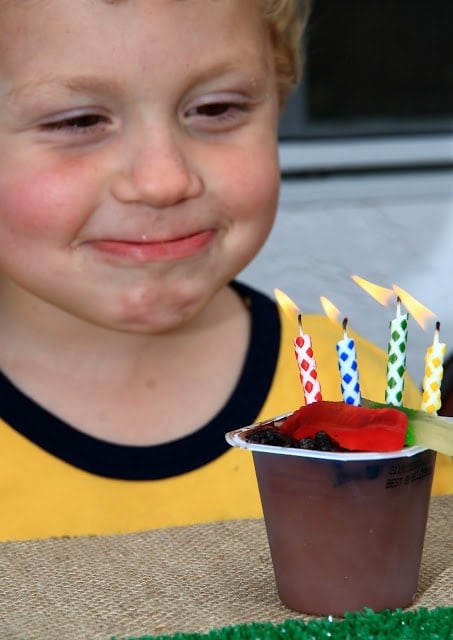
(347, 357)
(349, 371)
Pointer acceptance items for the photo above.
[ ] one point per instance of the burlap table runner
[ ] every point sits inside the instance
(161, 582)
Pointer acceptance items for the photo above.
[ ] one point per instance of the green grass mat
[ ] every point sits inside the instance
(419, 624)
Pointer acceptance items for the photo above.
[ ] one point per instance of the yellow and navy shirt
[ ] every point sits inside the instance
(58, 481)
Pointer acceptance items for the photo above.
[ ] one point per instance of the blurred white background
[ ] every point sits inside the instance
(394, 228)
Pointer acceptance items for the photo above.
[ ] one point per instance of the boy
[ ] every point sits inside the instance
(138, 176)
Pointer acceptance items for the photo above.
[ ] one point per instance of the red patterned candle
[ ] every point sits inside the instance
(307, 366)
(303, 350)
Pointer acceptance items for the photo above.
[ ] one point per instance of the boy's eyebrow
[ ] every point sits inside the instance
(88, 83)
(75, 84)
(109, 86)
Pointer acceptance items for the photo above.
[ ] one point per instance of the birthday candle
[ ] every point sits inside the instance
(307, 366)
(434, 360)
(396, 363)
(349, 371)
(303, 350)
(347, 357)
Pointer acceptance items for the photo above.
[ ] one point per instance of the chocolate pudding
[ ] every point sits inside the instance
(345, 530)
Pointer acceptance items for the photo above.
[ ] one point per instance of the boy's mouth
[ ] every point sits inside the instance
(148, 251)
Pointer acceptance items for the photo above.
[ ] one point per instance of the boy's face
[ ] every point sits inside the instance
(138, 164)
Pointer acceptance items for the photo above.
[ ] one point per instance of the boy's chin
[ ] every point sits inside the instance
(140, 324)
(162, 308)
(150, 321)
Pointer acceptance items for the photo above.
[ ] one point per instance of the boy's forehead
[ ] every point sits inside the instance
(22, 10)
(25, 3)
(28, 39)
(18, 7)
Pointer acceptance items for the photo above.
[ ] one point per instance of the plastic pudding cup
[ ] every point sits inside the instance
(345, 530)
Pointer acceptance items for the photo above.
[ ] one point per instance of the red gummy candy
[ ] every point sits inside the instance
(354, 428)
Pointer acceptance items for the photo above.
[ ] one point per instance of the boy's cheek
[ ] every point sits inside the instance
(254, 173)
(260, 182)
(30, 202)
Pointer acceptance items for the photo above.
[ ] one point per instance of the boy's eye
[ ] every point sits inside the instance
(77, 123)
(213, 110)
(218, 113)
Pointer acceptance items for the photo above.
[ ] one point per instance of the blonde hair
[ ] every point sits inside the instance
(286, 20)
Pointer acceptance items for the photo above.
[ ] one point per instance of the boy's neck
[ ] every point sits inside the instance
(121, 375)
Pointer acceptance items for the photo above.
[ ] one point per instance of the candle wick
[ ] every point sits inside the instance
(398, 306)
(299, 320)
(345, 324)
(436, 333)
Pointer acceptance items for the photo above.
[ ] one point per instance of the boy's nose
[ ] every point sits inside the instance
(156, 172)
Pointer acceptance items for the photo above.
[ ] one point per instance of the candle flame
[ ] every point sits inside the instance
(289, 307)
(421, 314)
(331, 311)
(380, 294)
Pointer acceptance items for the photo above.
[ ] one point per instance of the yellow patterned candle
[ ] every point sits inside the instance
(434, 369)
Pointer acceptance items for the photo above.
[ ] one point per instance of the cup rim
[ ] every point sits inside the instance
(236, 438)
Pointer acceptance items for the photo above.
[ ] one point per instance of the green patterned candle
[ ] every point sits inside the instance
(396, 363)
